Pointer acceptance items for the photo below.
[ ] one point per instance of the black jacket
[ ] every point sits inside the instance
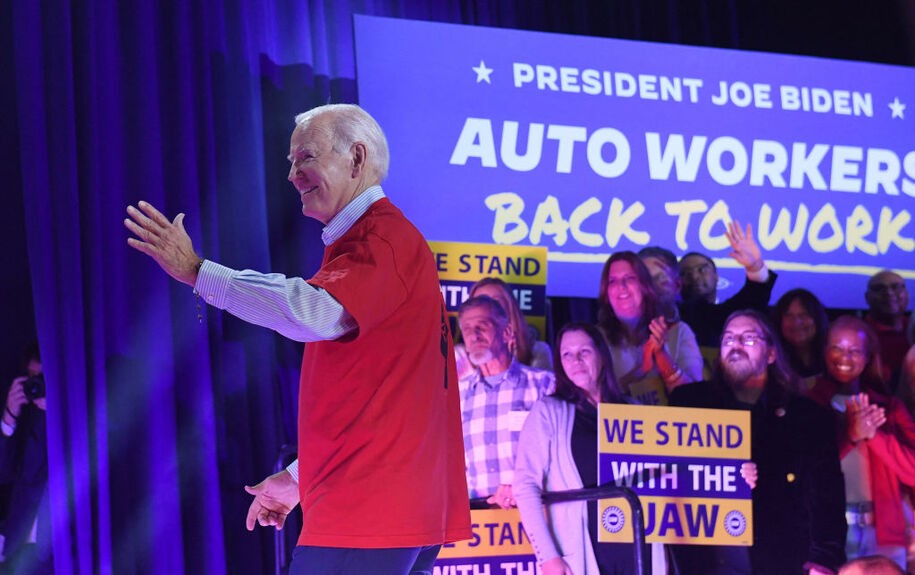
(799, 500)
(707, 319)
(24, 465)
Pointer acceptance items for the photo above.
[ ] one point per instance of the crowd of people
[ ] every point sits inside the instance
(833, 435)
(382, 409)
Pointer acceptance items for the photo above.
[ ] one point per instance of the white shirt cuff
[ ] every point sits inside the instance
(761, 275)
(293, 469)
(212, 282)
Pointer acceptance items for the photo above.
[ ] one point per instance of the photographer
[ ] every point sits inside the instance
(24, 465)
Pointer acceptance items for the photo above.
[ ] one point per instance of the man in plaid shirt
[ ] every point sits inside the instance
(495, 399)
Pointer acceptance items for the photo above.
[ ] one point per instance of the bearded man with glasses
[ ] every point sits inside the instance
(799, 499)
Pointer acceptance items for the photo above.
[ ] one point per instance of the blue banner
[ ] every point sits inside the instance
(675, 476)
(588, 146)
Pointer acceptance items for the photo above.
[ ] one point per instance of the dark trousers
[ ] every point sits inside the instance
(308, 560)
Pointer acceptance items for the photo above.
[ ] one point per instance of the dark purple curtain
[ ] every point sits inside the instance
(156, 420)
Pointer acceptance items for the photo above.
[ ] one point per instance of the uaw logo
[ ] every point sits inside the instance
(613, 519)
(735, 523)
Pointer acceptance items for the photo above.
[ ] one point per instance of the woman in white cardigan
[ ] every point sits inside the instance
(557, 449)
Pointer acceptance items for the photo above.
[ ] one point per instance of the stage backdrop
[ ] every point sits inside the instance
(156, 421)
(590, 145)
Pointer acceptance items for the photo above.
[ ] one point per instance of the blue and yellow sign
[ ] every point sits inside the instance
(685, 466)
(499, 546)
(589, 146)
(523, 268)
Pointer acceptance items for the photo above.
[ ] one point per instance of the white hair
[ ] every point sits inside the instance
(351, 124)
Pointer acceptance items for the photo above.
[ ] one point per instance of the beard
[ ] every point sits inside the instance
(737, 367)
(481, 357)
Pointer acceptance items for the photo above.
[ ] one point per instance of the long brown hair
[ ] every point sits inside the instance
(566, 389)
(616, 331)
(814, 307)
(779, 371)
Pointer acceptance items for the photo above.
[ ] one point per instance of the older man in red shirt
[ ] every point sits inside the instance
(381, 470)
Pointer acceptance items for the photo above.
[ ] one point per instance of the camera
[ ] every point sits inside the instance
(34, 387)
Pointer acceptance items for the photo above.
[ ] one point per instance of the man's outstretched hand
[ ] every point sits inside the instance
(164, 241)
(274, 498)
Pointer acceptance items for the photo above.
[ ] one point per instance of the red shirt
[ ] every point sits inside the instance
(890, 456)
(381, 460)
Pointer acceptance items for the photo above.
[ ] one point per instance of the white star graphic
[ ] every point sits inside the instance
(483, 73)
(897, 107)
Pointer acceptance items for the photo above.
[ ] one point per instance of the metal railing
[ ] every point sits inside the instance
(606, 491)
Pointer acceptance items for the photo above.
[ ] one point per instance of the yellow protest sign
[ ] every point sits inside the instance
(499, 545)
(685, 466)
(523, 268)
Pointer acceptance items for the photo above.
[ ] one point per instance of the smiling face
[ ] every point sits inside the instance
(624, 292)
(798, 327)
(580, 361)
(846, 354)
(325, 178)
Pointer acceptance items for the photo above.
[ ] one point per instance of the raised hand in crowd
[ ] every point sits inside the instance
(657, 337)
(274, 498)
(655, 354)
(658, 329)
(864, 418)
(744, 247)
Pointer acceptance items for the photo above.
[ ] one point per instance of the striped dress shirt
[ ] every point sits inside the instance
(290, 306)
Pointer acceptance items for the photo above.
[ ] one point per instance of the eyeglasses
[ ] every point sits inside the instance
(748, 339)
